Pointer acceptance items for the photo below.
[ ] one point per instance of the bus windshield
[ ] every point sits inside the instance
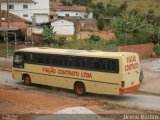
(18, 60)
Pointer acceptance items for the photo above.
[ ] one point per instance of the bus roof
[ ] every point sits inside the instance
(88, 53)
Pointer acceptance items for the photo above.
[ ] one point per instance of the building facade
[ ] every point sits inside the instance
(73, 11)
(63, 27)
(36, 11)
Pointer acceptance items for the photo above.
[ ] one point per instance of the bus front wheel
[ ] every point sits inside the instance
(79, 89)
(27, 80)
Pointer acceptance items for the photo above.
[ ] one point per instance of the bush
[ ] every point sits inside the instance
(94, 38)
(57, 42)
(157, 50)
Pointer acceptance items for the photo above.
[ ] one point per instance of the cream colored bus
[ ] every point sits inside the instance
(114, 73)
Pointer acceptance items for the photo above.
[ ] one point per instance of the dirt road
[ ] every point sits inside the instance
(130, 100)
(31, 104)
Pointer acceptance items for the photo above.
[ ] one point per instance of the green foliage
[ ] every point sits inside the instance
(66, 2)
(112, 10)
(91, 45)
(130, 28)
(129, 22)
(82, 2)
(57, 42)
(94, 38)
(100, 23)
(157, 50)
(124, 6)
(47, 34)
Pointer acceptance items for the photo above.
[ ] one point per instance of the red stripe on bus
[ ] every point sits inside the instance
(129, 90)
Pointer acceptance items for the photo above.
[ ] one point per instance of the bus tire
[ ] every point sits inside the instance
(79, 88)
(27, 80)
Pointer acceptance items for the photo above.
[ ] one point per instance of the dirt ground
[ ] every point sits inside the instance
(15, 101)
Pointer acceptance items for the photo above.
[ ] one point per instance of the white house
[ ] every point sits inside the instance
(31, 10)
(73, 11)
(63, 27)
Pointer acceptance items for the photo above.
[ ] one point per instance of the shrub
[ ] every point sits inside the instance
(94, 38)
(157, 50)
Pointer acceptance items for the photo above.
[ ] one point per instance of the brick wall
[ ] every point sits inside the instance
(144, 50)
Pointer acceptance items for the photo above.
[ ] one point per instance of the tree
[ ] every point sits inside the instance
(47, 34)
(129, 22)
(100, 23)
(123, 6)
(66, 2)
(136, 27)
(82, 2)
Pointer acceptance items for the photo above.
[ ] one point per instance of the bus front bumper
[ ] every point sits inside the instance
(129, 90)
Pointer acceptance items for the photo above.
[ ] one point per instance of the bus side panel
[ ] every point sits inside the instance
(17, 73)
(101, 88)
(95, 82)
(52, 81)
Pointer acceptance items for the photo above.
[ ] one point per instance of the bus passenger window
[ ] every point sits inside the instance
(112, 66)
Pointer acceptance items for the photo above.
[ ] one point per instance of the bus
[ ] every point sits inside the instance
(84, 71)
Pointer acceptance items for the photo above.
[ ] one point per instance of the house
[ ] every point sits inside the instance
(63, 27)
(73, 11)
(36, 11)
(17, 25)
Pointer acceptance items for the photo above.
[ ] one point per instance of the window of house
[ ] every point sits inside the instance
(25, 15)
(11, 6)
(67, 15)
(25, 6)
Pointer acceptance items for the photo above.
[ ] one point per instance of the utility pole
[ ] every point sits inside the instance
(7, 26)
(0, 14)
(7, 13)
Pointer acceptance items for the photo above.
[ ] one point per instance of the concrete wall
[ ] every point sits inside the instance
(63, 27)
(144, 50)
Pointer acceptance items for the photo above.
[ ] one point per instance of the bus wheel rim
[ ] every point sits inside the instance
(80, 90)
(27, 81)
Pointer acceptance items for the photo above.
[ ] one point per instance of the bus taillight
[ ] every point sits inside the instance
(122, 83)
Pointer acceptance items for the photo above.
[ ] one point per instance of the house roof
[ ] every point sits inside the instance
(72, 8)
(19, 1)
(18, 25)
(13, 17)
(61, 19)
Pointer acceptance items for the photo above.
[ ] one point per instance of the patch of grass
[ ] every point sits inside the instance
(109, 106)
(91, 45)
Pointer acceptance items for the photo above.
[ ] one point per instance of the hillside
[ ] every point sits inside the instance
(142, 5)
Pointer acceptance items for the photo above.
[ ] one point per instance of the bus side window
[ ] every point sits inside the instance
(99, 64)
(30, 60)
(83, 63)
(73, 62)
(90, 63)
(77, 62)
(112, 65)
(46, 59)
(25, 57)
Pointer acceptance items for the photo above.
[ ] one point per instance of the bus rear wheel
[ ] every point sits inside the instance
(79, 89)
(27, 80)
